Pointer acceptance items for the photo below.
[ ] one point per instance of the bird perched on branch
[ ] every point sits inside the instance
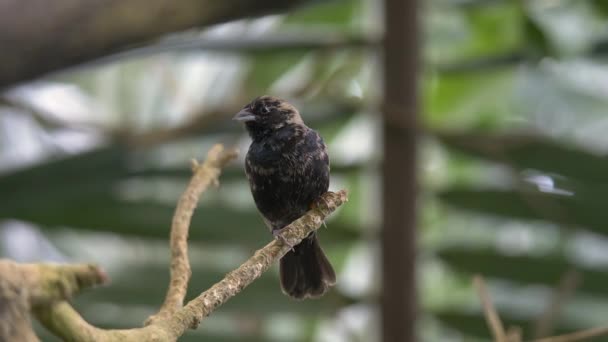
(288, 170)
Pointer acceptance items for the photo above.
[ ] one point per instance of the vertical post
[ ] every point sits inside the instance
(400, 57)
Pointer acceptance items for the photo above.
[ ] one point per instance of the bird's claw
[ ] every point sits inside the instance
(277, 235)
(315, 204)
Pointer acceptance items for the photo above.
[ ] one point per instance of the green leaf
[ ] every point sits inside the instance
(495, 29)
(526, 269)
(68, 172)
(468, 100)
(531, 152)
(267, 67)
(333, 14)
(455, 35)
(601, 6)
(537, 41)
(585, 208)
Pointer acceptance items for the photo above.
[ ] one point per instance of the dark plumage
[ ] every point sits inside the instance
(288, 170)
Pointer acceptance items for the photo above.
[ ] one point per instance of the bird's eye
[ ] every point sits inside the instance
(264, 110)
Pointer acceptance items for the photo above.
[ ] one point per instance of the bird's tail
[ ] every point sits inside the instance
(305, 271)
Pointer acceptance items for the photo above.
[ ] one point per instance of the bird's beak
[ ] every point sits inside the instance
(244, 116)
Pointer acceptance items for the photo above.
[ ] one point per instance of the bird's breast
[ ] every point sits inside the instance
(286, 176)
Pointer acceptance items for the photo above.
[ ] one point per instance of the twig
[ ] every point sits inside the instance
(514, 334)
(567, 285)
(577, 336)
(204, 175)
(492, 318)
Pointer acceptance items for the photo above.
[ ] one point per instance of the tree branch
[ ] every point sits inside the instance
(565, 289)
(492, 318)
(25, 287)
(61, 319)
(36, 38)
(204, 175)
(582, 335)
(173, 320)
(235, 281)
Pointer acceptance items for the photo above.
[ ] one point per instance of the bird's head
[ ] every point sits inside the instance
(267, 114)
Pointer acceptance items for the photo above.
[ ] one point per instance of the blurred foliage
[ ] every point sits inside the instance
(531, 198)
(513, 167)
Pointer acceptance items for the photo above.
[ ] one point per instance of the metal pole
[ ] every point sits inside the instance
(400, 57)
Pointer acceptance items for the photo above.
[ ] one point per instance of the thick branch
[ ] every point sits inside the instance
(36, 38)
(24, 287)
(204, 175)
(65, 322)
(49, 282)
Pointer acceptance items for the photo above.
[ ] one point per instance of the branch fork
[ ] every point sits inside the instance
(51, 286)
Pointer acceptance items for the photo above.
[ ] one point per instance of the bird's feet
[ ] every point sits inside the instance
(315, 205)
(277, 235)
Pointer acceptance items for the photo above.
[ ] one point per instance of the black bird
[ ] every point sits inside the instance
(288, 170)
